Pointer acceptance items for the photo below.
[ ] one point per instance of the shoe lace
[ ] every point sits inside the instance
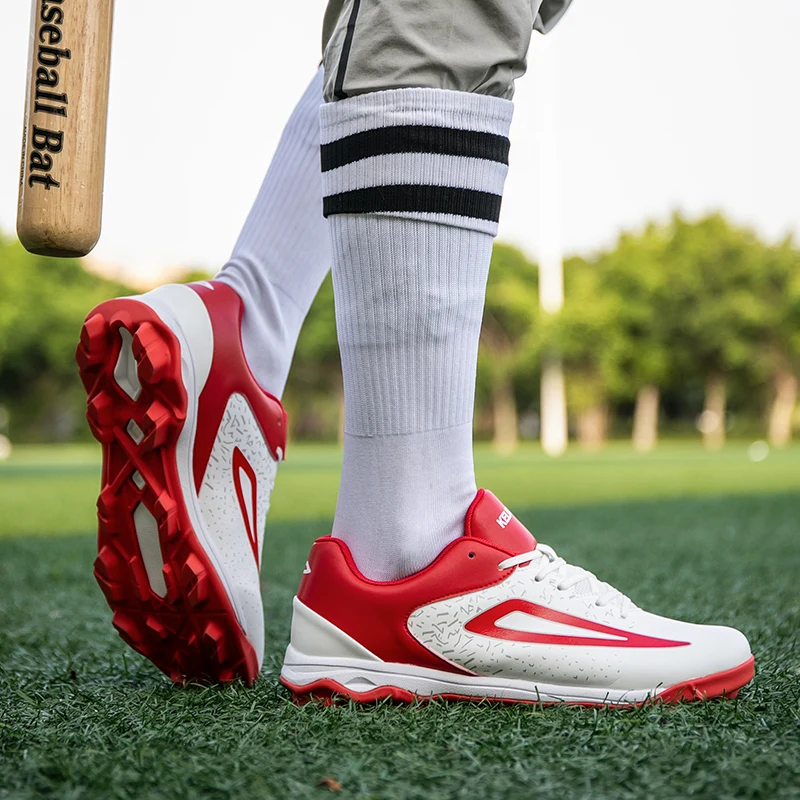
(545, 561)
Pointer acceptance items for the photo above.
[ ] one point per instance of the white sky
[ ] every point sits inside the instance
(653, 105)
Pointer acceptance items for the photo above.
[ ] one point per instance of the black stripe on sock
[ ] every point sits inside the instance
(338, 86)
(434, 199)
(414, 139)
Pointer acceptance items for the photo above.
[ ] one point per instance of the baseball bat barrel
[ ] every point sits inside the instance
(64, 135)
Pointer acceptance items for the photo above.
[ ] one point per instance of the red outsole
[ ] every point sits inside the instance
(191, 633)
(720, 684)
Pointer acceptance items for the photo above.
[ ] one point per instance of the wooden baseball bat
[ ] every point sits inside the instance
(64, 137)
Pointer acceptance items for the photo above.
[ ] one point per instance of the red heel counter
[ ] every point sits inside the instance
(230, 374)
(375, 614)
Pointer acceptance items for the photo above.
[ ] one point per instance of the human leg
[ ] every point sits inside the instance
(282, 254)
(419, 592)
(182, 388)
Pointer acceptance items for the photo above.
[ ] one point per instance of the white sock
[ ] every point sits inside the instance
(282, 255)
(412, 183)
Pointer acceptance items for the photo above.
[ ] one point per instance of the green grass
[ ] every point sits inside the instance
(52, 490)
(81, 715)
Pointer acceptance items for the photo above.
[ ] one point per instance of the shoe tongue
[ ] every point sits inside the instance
(490, 520)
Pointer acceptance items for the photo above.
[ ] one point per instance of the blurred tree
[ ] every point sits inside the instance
(670, 309)
(634, 273)
(314, 393)
(713, 308)
(43, 302)
(194, 275)
(779, 340)
(586, 335)
(512, 304)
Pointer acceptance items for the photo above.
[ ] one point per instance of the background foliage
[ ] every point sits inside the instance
(691, 316)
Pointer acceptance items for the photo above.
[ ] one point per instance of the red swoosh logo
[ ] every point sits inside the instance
(486, 625)
(241, 464)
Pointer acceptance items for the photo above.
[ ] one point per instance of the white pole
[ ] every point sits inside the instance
(551, 274)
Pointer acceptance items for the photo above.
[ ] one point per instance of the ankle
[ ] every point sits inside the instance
(271, 323)
(403, 499)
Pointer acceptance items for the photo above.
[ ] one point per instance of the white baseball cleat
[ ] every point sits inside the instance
(191, 445)
(496, 616)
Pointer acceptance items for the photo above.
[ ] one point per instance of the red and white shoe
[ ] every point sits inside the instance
(496, 616)
(191, 445)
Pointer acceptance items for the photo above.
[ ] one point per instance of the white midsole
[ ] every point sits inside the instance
(361, 675)
(177, 309)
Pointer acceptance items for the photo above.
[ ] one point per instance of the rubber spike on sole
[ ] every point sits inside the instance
(127, 629)
(166, 513)
(109, 564)
(100, 410)
(151, 353)
(105, 515)
(195, 581)
(214, 641)
(93, 348)
(155, 425)
(157, 627)
(114, 592)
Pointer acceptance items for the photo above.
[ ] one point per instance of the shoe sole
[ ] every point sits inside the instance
(168, 602)
(721, 684)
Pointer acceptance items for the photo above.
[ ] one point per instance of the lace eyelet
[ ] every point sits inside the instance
(471, 555)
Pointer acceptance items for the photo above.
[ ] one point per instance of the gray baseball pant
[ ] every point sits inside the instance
(475, 46)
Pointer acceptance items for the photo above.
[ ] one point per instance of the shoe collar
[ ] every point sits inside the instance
(489, 520)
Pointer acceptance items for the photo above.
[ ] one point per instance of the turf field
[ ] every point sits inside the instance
(711, 537)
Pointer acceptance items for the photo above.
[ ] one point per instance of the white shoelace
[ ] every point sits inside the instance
(546, 561)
